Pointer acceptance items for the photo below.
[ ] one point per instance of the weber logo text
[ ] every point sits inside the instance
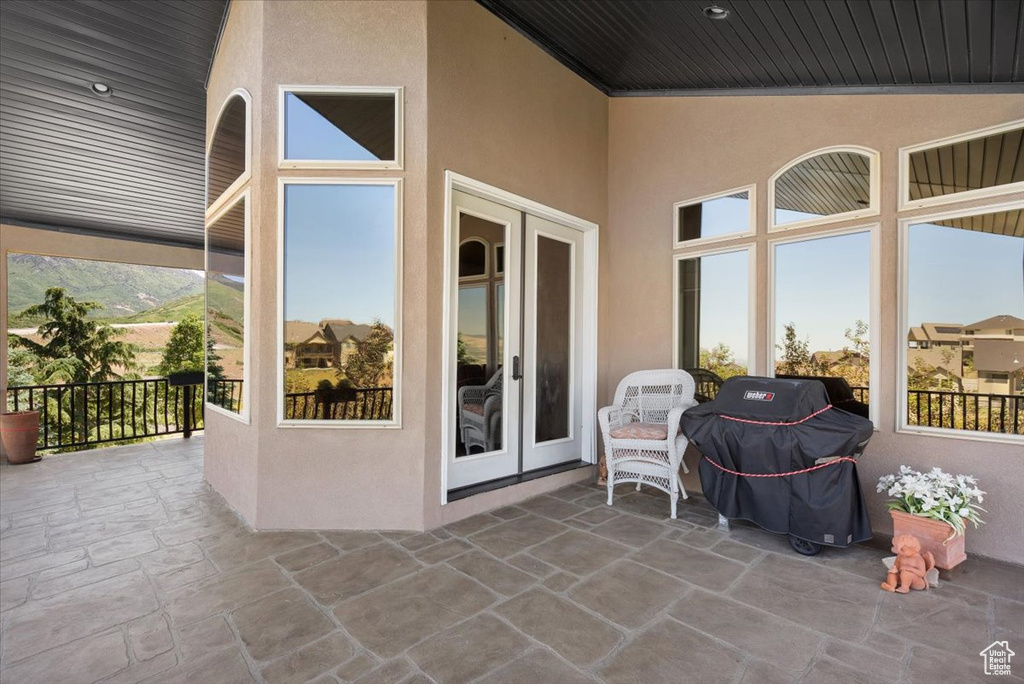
(754, 395)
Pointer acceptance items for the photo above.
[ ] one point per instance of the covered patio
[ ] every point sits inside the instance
(122, 565)
(431, 241)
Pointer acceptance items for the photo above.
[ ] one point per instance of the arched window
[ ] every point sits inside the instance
(833, 184)
(473, 258)
(227, 160)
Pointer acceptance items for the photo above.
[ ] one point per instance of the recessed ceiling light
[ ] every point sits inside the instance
(101, 89)
(716, 12)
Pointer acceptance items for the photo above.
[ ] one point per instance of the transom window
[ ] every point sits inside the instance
(227, 160)
(824, 186)
(714, 217)
(341, 127)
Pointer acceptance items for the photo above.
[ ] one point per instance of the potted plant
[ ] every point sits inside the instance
(19, 431)
(935, 507)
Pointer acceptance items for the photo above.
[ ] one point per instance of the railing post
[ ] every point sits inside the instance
(188, 411)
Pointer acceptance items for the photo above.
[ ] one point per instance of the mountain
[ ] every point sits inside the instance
(123, 290)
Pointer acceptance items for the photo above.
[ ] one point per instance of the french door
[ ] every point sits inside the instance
(515, 327)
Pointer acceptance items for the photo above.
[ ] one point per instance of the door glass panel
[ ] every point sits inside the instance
(554, 343)
(480, 319)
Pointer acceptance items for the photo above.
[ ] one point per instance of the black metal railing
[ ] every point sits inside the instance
(226, 393)
(861, 394)
(357, 404)
(83, 414)
(1002, 413)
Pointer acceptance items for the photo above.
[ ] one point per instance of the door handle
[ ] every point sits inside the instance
(516, 374)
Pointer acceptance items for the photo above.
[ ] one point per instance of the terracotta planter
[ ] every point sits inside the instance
(19, 431)
(933, 535)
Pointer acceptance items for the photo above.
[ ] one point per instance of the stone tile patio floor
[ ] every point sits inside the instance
(121, 565)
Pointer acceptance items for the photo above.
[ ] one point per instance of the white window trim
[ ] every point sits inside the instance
(874, 185)
(457, 182)
(749, 231)
(396, 385)
(902, 402)
(905, 203)
(874, 306)
(225, 197)
(243, 416)
(486, 275)
(391, 164)
(751, 250)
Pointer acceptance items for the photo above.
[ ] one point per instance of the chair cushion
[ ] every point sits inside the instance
(657, 431)
(478, 409)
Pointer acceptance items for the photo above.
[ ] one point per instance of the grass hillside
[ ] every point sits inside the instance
(124, 290)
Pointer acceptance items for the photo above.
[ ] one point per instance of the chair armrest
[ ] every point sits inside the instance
(610, 416)
(672, 421)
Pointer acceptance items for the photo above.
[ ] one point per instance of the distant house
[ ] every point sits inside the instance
(995, 346)
(327, 344)
(985, 357)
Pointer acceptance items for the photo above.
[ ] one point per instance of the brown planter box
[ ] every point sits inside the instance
(933, 535)
(19, 431)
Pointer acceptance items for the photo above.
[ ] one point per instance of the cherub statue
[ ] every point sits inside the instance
(911, 567)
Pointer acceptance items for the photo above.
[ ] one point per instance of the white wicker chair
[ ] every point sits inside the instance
(642, 440)
(480, 413)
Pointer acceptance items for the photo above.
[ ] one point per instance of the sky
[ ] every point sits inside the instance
(339, 251)
(308, 135)
(724, 215)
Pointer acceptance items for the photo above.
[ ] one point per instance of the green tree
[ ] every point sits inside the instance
(370, 365)
(21, 366)
(214, 371)
(185, 349)
(719, 360)
(75, 349)
(796, 357)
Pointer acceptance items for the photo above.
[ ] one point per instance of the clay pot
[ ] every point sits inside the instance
(933, 535)
(19, 431)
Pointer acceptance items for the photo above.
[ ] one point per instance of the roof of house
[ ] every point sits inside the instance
(297, 332)
(341, 329)
(1000, 356)
(1003, 322)
(943, 332)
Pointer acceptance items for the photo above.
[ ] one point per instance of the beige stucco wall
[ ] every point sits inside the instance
(503, 112)
(233, 447)
(663, 150)
(19, 239)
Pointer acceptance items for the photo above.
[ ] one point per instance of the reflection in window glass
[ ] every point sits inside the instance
(968, 165)
(225, 309)
(472, 258)
(822, 314)
(353, 127)
(714, 217)
(339, 301)
(554, 339)
(824, 185)
(713, 304)
(227, 151)
(965, 332)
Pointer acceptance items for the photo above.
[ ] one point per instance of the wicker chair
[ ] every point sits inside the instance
(642, 440)
(480, 413)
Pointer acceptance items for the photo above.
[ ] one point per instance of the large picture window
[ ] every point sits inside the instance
(339, 302)
(227, 258)
(962, 362)
(341, 127)
(712, 305)
(822, 314)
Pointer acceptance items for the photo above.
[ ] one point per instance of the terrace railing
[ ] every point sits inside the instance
(84, 414)
(1002, 413)
(359, 404)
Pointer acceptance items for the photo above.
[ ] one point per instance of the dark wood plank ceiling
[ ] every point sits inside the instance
(131, 163)
(644, 47)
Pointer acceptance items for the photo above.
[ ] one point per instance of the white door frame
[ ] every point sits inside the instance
(586, 347)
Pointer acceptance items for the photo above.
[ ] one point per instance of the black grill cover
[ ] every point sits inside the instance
(824, 506)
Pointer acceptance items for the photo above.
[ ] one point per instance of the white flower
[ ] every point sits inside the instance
(964, 512)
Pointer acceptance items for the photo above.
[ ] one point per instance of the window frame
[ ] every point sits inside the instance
(874, 190)
(903, 283)
(750, 231)
(367, 165)
(244, 415)
(226, 197)
(486, 275)
(751, 249)
(395, 423)
(906, 203)
(874, 231)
